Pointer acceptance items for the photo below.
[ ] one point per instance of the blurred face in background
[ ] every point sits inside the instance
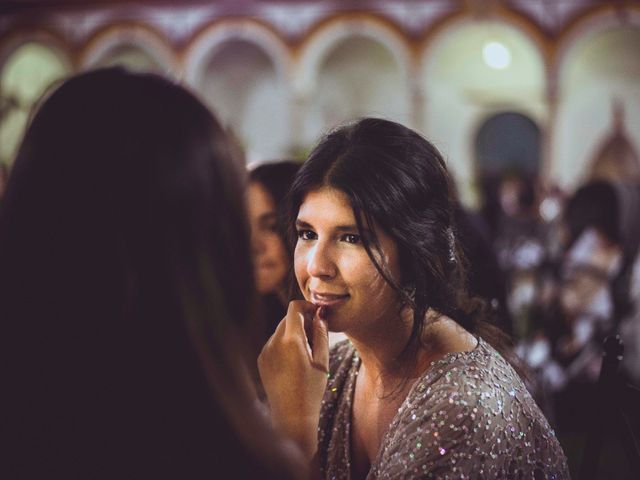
(269, 252)
(589, 267)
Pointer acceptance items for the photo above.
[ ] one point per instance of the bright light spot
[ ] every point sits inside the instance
(496, 55)
(550, 209)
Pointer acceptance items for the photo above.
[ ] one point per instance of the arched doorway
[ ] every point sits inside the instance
(508, 142)
(25, 76)
(507, 154)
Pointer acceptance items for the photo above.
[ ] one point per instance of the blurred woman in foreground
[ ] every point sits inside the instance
(126, 288)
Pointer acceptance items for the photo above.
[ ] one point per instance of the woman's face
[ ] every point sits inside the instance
(269, 252)
(333, 269)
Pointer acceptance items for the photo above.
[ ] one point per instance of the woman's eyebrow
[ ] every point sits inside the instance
(346, 228)
(303, 224)
(338, 228)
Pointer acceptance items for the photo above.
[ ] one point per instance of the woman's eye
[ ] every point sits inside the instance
(306, 235)
(351, 238)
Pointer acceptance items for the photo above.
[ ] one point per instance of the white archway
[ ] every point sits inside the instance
(209, 41)
(596, 65)
(354, 65)
(133, 46)
(580, 34)
(318, 46)
(241, 69)
(358, 77)
(462, 86)
(29, 68)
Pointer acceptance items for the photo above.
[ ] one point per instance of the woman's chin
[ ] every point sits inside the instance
(335, 322)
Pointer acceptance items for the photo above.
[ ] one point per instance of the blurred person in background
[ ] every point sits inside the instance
(596, 296)
(268, 185)
(127, 292)
(520, 247)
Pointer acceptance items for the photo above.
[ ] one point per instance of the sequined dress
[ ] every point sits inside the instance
(469, 416)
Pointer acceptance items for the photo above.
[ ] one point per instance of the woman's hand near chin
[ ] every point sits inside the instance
(293, 367)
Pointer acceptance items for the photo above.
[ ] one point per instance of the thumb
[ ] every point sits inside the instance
(320, 349)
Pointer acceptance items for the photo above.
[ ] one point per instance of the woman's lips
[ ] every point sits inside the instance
(328, 299)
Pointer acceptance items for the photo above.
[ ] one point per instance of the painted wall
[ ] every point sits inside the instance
(604, 67)
(283, 75)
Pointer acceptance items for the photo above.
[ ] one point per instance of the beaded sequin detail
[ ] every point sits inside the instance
(469, 416)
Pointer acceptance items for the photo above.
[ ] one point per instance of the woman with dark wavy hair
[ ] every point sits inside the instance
(419, 390)
(126, 292)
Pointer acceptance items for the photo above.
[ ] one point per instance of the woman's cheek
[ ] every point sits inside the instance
(356, 267)
(300, 266)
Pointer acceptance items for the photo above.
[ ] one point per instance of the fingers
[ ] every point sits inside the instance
(295, 320)
(291, 329)
(302, 328)
(270, 344)
(278, 333)
(320, 349)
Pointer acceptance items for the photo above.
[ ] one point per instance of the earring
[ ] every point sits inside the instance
(452, 245)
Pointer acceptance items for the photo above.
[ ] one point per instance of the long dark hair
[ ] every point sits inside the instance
(276, 178)
(126, 285)
(398, 180)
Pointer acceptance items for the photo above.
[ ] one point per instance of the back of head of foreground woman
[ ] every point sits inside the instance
(126, 288)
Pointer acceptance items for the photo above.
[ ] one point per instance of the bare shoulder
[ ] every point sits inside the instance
(470, 413)
(442, 335)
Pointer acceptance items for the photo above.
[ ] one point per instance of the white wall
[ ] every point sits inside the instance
(605, 67)
(240, 84)
(25, 76)
(358, 77)
(461, 91)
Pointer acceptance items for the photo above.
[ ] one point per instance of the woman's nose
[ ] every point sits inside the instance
(320, 262)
